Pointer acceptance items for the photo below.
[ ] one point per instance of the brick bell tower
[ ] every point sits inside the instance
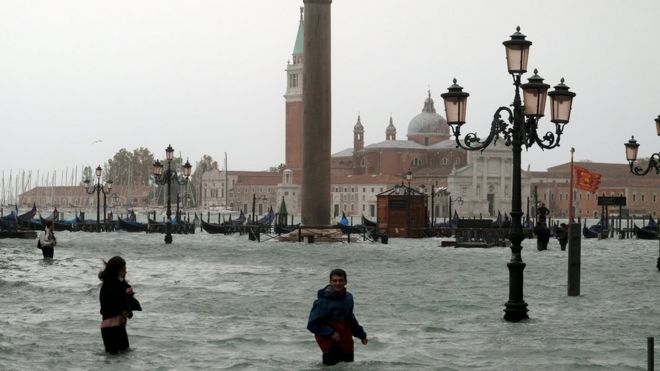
(293, 102)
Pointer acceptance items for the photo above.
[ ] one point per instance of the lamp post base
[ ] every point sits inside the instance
(168, 238)
(516, 308)
(515, 312)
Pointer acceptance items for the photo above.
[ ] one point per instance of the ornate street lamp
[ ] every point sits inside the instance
(170, 175)
(519, 129)
(631, 155)
(98, 188)
(654, 162)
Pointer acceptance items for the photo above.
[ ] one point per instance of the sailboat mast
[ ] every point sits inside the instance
(226, 183)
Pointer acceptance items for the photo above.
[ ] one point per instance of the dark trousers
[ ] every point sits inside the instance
(335, 355)
(48, 252)
(115, 339)
(541, 245)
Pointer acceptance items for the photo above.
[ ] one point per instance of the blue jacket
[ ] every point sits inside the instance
(332, 307)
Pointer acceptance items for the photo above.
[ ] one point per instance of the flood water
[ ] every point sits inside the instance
(227, 303)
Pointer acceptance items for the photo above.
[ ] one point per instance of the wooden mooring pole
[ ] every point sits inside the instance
(574, 258)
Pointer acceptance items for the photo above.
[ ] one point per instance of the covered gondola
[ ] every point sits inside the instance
(648, 232)
(131, 226)
(230, 226)
(346, 228)
(595, 230)
(63, 225)
(218, 228)
(645, 234)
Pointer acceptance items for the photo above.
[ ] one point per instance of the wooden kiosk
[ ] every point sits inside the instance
(402, 212)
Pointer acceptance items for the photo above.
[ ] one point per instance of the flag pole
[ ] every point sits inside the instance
(570, 193)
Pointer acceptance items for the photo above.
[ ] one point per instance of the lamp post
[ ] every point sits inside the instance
(631, 155)
(263, 199)
(184, 203)
(654, 162)
(115, 202)
(520, 128)
(409, 179)
(98, 188)
(459, 201)
(170, 175)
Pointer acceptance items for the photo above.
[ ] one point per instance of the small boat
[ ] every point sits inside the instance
(368, 223)
(25, 220)
(346, 228)
(15, 221)
(284, 229)
(230, 226)
(131, 226)
(268, 218)
(595, 230)
(648, 232)
(62, 225)
(645, 234)
(218, 228)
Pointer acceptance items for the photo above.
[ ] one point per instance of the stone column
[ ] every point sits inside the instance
(316, 114)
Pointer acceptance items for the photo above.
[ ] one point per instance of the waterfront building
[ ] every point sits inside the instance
(76, 197)
(642, 193)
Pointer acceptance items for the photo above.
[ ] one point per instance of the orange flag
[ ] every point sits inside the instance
(586, 180)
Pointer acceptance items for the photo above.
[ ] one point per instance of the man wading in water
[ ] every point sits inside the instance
(332, 321)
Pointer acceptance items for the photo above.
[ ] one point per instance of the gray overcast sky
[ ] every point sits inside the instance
(208, 76)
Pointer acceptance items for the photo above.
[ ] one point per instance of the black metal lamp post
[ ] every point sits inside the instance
(184, 203)
(409, 179)
(459, 201)
(115, 202)
(631, 155)
(654, 162)
(263, 199)
(170, 175)
(520, 128)
(98, 188)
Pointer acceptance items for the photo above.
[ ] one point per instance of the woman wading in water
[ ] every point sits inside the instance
(117, 305)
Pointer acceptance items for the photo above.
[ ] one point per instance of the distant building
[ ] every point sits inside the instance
(75, 197)
(642, 192)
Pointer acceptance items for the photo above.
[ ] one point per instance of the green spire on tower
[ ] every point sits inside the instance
(298, 47)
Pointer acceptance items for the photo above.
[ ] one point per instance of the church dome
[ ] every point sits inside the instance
(428, 122)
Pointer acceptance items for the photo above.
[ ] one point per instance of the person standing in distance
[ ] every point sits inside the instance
(332, 320)
(47, 241)
(117, 305)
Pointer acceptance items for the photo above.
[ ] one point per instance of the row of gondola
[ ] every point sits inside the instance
(30, 221)
(648, 232)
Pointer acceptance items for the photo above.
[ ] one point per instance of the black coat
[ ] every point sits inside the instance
(542, 233)
(115, 300)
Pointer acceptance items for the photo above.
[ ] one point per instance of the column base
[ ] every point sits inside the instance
(516, 308)
(515, 312)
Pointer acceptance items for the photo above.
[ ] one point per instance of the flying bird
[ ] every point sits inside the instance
(97, 141)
